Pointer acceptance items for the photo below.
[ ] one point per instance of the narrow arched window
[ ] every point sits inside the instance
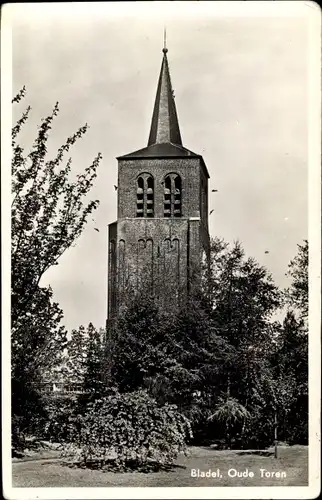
(167, 197)
(140, 197)
(149, 197)
(177, 196)
(172, 195)
(145, 196)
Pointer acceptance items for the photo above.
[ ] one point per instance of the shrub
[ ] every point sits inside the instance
(204, 432)
(61, 418)
(17, 437)
(232, 414)
(27, 414)
(131, 430)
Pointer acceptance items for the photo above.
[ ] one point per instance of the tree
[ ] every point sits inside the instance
(290, 365)
(37, 345)
(48, 214)
(84, 358)
(93, 381)
(243, 298)
(290, 359)
(230, 413)
(297, 294)
(175, 356)
(219, 342)
(76, 352)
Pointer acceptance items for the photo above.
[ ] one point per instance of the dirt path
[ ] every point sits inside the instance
(48, 472)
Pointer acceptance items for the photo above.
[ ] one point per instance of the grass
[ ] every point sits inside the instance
(293, 460)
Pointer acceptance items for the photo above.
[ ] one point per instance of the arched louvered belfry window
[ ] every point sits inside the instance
(167, 197)
(149, 196)
(145, 196)
(140, 197)
(177, 196)
(172, 196)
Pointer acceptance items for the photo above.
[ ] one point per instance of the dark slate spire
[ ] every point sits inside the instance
(164, 125)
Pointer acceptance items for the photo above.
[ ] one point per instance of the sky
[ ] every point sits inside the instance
(241, 84)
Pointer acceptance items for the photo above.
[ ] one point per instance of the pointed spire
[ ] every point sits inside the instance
(164, 125)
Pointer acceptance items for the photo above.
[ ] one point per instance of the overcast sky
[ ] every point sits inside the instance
(241, 90)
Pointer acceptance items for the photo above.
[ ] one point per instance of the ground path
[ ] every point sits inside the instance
(293, 460)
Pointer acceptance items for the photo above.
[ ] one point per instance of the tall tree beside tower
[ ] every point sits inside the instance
(297, 294)
(48, 213)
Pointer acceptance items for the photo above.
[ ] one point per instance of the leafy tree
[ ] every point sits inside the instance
(34, 351)
(242, 293)
(173, 355)
(218, 341)
(222, 340)
(291, 357)
(297, 294)
(293, 348)
(93, 381)
(243, 298)
(290, 364)
(138, 344)
(76, 352)
(48, 214)
(83, 359)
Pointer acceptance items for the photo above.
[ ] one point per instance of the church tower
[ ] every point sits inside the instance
(161, 233)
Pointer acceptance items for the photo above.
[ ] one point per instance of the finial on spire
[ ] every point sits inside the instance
(165, 50)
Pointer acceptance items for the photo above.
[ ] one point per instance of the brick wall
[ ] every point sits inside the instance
(187, 168)
(161, 247)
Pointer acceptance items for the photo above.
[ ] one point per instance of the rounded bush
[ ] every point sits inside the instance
(131, 430)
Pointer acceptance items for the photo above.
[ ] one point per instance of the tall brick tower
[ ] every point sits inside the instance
(161, 233)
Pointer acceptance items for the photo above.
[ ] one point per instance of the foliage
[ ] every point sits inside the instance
(230, 413)
(292, 355)
(220, 341)
(17, 437)
(242, 293)
(83, 359)
(243, 299)
(37, 339)
(290, 362)
(93, 367)
(75, 358)
(223, 340)
(27, 409)
(297, 294)
(47, 208)
(61, 414)
(172, 355)
(130, 430)
(48, 214)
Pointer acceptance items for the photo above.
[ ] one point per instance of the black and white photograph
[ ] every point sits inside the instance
(161, 215)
